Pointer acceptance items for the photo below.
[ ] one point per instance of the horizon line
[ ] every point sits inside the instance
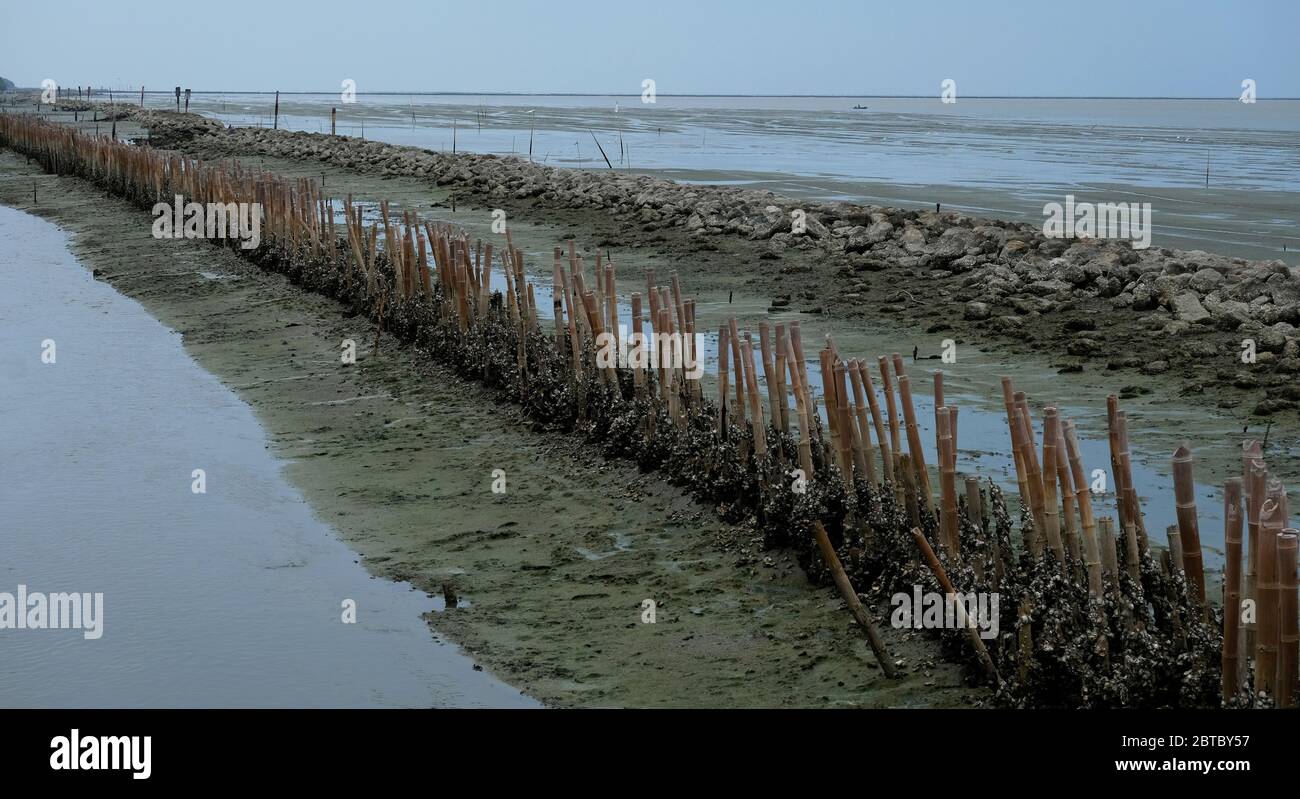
(171, 92)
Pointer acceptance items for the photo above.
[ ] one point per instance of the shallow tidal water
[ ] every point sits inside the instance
(228, 598)
(1219, 175)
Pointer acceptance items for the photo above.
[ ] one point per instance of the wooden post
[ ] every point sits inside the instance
(862, 377)
(887, 385)
(724, 373)
(1051, 504)
(801, 408)
(774, 399)
(1083, 498)
(334, 115)
(1014, 427)
(1232, 520)
(1268, 622)
(756, 423)
(1037, 542)
(1289, 639)
(936, 568)
(1256, 478)
(948, 523)
(862, 433)
(850, 597)
(638, 341)
(277, 110)
(1189, 532)
(779, 376)
(913, 433)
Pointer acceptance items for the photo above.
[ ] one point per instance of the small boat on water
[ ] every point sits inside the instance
(859, 108)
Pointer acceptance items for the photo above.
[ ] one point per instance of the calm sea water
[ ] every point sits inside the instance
(996, 157)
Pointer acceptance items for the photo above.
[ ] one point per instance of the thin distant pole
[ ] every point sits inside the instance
(277, 111)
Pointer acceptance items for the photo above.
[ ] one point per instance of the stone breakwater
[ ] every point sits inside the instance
(1001, 275)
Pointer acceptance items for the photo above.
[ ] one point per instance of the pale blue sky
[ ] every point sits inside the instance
(854, 47)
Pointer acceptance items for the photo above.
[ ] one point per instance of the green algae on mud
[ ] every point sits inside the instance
(397, 455)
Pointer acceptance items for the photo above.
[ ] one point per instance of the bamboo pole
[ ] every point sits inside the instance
(1070, 530)
(1232, 522)
(862, 375)
(1255, 476)
(936, 568)
(887, 386)
(1051, 512)
(1106, 540)
(724, 373)
(784, 425)
(1189, 532)
(974, 503)
(1083, 498)
(801, 408)
(947, 485)
(1038, 539)
(774, 397)
(851, 599)
(1014, 427)
(1268, 633)
(741, 414)
(862, 432)
(756, 424)
(1133, 503)
(913, 434)
(850, 444)
(1289, 638)
(638, 339)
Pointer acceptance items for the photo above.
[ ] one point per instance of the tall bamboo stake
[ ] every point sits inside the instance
(1070, 529)
(1232, 520)
(887, 385)
(947, 485)
(850, 597)
(936, 568)
(1189, 532)
(862, 432)
(1289, 638)
(862, 375)
(756, 424)
(801, 408)
(1269, 630)
(1014, 427)
(1051, 512)
(913, 433)
(1252, 462)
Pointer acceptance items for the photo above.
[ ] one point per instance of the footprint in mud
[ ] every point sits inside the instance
(622, 543)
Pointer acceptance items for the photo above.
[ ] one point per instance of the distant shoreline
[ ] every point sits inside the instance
(171, 92)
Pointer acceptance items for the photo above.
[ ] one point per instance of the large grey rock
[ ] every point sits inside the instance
(1205, 281)
(1187, 307)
